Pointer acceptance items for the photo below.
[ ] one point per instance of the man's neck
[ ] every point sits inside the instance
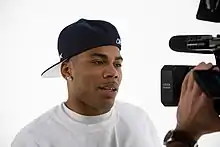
(83, 109)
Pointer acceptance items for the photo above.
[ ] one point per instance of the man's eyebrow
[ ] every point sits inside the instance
(103, 56)
(119, 58)
(100, 55)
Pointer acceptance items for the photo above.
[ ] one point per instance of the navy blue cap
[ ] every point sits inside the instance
(81, 36)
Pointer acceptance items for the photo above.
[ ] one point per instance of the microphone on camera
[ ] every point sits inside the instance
(205, 44)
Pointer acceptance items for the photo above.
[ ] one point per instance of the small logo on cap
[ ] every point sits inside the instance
(118, 41)
(61, 56)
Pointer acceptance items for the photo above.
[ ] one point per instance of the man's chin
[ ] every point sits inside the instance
(107, 103)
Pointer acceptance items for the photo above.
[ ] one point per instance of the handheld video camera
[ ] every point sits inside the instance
(172, 76)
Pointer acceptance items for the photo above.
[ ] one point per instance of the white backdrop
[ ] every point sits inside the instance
(28, 41)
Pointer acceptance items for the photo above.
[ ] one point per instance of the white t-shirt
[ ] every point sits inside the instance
(124, 126)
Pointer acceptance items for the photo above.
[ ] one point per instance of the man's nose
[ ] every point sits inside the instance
(111, 72)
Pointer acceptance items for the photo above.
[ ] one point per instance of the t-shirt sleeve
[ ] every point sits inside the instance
(152, 133)
(24, 139)
(155, 138)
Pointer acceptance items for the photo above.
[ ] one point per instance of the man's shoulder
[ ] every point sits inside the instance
(38, 123)
(137, 121)
(124, 106)
(45, 117)
(128, 110)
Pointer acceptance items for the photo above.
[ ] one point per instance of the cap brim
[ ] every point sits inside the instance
(53, 71)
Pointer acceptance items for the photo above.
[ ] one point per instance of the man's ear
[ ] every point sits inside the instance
(65, 69)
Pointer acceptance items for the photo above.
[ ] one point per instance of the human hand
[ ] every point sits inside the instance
(196, 114)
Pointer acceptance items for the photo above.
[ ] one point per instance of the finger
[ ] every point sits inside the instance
(206, 100)
(184, 84)
(185, 81)
(201, 66)
(216, 68)
(191, 81)
(196, 90)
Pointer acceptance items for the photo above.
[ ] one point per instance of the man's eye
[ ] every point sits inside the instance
(98, 62)
(118, 65)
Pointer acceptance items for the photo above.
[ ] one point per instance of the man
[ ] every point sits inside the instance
(90, 61)
(196, 115)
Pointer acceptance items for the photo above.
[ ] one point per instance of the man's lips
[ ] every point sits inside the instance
(109, 86)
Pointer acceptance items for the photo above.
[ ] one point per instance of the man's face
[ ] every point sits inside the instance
(97, 75)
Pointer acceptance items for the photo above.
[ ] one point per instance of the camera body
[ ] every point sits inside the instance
(172, 76)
